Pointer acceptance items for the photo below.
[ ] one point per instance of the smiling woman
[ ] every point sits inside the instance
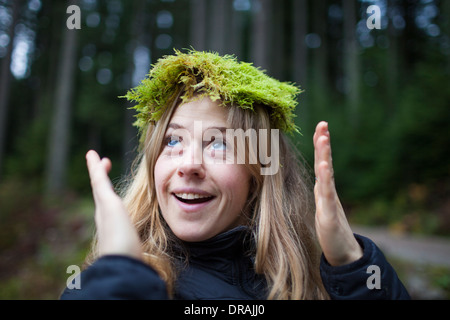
(214, 229)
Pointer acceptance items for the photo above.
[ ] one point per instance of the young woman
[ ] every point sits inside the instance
(208, 214)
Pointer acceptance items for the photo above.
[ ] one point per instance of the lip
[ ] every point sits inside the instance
(192, 190)
(188, 207)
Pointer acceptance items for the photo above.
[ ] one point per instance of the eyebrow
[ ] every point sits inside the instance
(174, 125)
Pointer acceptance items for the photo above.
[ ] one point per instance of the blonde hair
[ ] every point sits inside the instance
(279, 209)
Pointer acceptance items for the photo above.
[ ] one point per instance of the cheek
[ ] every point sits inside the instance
(161, 174)
(236, 180)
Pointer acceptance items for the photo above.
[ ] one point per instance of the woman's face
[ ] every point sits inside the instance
(199, 193)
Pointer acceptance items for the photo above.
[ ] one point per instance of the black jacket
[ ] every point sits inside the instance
(220, 268)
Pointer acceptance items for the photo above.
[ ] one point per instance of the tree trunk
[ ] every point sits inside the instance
(260, 34)
(5, 82)
(351, 60)
(137, 73)
(277, 40)
(60, 127)
(198, 24)
(445, 8)
(218, 24)
(237, 34)
(319, 70)
(300, 52)
(393, 64)
(300, 58)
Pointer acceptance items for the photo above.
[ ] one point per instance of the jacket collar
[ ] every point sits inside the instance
(224, 245)
(220, 267)
(224, 255)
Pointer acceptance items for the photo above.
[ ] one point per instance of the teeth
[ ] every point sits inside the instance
(190, 196)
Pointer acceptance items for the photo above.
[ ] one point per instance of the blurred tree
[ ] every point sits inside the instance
(219, 25)
(138, 63)
(5, 80)
(351, 60)
(299, 49)
(198, 24)
(445, 21)
(261, 34)
(317, 41)
(392, 61)
(299, 62)
(238, 34)
(60, 127)
(277, 39)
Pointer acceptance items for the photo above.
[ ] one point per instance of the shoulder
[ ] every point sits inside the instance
(117, 277)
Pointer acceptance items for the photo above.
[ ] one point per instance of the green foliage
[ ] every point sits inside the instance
(219, 77)
(389, 148)
(26, 161)
(403, 214)
(423, 281)
(441, 278)
(425, 115)
(41, 240)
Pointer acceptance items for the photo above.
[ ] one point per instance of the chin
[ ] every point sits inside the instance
(192, 233)
(192, 236)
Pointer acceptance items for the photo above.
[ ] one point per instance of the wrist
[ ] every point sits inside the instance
(350, 256)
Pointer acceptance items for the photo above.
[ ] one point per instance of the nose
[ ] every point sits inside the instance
(191, 165)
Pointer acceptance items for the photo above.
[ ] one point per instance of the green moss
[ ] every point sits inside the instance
(220, 77)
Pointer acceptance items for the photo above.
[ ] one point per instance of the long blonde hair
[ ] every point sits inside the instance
(279, 209)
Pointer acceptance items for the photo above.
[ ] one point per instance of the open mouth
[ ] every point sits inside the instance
(192, 198)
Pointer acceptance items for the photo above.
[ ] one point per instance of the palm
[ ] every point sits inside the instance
(334, 233)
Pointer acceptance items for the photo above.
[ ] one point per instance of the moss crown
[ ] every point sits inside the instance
(220, 77)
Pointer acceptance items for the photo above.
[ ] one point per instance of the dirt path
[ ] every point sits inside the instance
(425, 261)
(423, 250)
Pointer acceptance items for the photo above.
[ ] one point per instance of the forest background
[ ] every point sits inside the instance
(385, 93)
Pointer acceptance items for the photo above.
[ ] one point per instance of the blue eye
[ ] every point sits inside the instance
(219, 145)
(173, 141)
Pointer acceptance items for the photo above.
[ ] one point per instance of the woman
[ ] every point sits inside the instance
(208, 214)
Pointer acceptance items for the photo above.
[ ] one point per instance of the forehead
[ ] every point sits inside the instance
(203, 109)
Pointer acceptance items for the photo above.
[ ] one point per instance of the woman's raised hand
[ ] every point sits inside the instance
(116, 234)
(334, 233)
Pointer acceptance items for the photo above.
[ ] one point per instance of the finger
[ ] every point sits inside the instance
(327, 198)
(326, 188)
(98, 173)
(107, 164)
(321, 129)
(325, 191)
(321, 140)
(92, 159)
(324, 150)
(316, 162)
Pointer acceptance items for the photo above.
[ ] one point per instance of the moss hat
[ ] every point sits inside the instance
(220, 77)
